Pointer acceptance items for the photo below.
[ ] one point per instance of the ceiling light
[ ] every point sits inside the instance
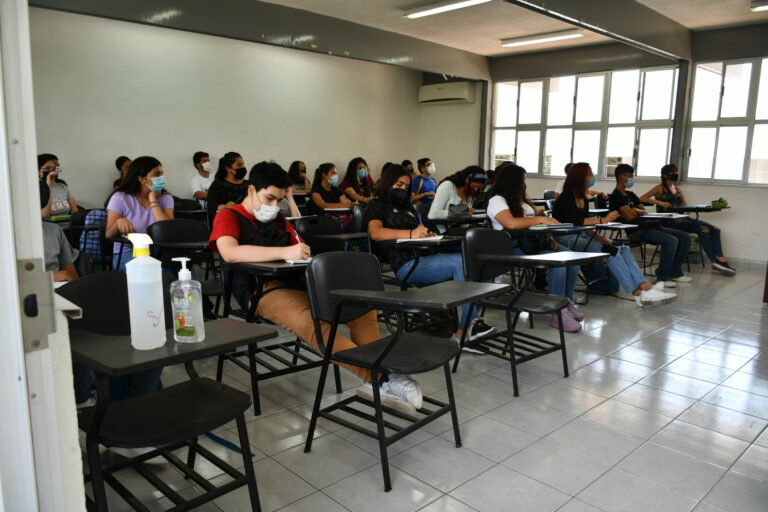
(759, 5)
(450, 5)
(542, 38)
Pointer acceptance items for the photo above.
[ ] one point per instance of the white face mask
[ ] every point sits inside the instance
(431, 169)
(266, 213)
(207, 166)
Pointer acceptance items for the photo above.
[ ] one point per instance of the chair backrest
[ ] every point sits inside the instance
(601, 202)
(181, 205)
(340, 270)
(83, 264)
(309, 227)
(550, 204)
(479, 241)
(359, 222)
(103, 298)
(174, 231)
(549, 194)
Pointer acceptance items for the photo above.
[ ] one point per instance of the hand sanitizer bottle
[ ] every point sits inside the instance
(145, 295)
(187, 301)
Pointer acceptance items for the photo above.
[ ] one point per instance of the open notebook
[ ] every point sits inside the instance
(425, 239)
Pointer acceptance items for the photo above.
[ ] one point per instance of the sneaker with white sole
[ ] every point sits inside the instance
(467, 348)
(654, 296)
(387, 400)
(478, 329)
(667, 284)
(682, 279)
(723, 267)
(404, 387)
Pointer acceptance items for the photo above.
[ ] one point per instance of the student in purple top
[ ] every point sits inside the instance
(140, 201)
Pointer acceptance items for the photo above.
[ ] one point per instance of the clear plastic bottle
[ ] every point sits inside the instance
(145, 296)
(187, 302)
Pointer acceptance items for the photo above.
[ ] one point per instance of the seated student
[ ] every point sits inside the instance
(201, 179)
(62, 202)
(325, 191)
(408, 165)
(229, 186)
(254, 231)
(424, 185)
(668, 194)
(510, 208)
(592, 193)
(391, 216)
(122, 163)
(297, 173)
(459, 188)
(59, 255)
(358, 184)
(140, 201)
(573, 206)
(288, 207)
(674, 243)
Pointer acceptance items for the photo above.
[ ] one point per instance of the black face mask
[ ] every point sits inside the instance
(674, 177)
(240, 173)
(399, 196)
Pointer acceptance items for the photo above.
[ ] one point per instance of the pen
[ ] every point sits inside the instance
(419, 216)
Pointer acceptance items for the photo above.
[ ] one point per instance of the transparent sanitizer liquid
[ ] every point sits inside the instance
(186, 300)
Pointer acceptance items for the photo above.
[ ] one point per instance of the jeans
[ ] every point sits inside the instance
(436, 269)
(674, 244)
(561, 280)
(125, 257)
(709, 240)
(623, 265)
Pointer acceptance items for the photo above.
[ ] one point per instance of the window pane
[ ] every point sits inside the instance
(702, 152)
(657, 94)
(560, 102)
(624, 86)
(731, 146)
(504, 145)
(557, 151)
(531, 94)
(736, 90)
(619, 148)
(762, 95)
(653, 151)
(758, 162)
(586, 147)
(589, 99)
(506, 104)
(528, 150)
(706, 92)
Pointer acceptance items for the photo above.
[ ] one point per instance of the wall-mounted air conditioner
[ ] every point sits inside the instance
(448, 92)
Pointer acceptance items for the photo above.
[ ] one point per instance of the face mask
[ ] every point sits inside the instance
(362, 173)
(240, 173)
(674, 177)
(207, 166)
(431, 169)
(334, 180)
(591, 182)
(630, 183)
(266, 213)
(158, 184)
(399, 196)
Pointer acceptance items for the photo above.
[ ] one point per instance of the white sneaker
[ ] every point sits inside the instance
(387, 400)
(404, 387)
(667, 284)
(682, 279)
(654, 296)
(659, 286)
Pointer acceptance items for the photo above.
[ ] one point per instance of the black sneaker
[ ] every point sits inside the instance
(723, 267)
(479, 329)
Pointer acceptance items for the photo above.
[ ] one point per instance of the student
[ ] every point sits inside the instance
(668, 194)
(510, 208)
(122, 163)
(424, 184)
(254, 231)
(358, 184)
(202, 179)
(325, 191)
(674, 243)
(59, 256)
(140, 201)
(592, 193)
(458, 188)
(229, 186)
(297, 173)
(408, 165)
(573, 206)
(391, 216)
(62, 202)
(288, 206)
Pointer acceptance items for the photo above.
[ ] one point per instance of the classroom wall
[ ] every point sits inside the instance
(104, 88)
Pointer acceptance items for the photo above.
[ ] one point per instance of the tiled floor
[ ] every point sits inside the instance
(665, 410)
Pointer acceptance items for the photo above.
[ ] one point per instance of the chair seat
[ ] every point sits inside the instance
(528, 302)
(174, 414)
(412, 354)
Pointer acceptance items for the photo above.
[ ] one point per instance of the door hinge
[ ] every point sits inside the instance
(36, 303)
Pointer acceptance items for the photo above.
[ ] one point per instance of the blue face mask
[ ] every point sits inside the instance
(362, 173)
(591, 182)
(158, 184)
(334, 180)
(630, 183)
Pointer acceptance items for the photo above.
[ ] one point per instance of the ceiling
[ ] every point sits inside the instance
(704, 14)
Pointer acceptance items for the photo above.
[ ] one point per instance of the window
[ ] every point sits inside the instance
(729, 122)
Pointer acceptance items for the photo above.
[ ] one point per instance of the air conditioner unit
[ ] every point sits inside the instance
(448, 92)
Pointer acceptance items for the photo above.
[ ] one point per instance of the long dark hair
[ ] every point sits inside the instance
(459, 178)
(510, 184)
(666, 171)
(294, 172)
(361, 187)
(228, 160)
(388, 178)
(317, 181)
(139, 168)
(576, 180)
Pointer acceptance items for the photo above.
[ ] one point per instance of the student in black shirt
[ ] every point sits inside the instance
(229, 186)
(674, 243)
(325, 191)
(391, 216)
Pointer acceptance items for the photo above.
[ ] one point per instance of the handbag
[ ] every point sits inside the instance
(534, 244)
(459, 211)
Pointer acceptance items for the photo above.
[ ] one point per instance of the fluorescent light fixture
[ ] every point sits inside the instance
(759, 5)
(541, 38)
(450, 5)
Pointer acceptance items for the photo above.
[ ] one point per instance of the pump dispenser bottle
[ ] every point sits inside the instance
(187, 301)
(145, 295)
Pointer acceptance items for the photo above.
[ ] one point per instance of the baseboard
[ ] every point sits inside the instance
(748, 263)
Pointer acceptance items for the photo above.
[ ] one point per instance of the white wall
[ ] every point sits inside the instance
(104, 88)
(744, 228)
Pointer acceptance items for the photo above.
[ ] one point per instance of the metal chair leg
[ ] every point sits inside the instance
(511, 324)
(380, 430)
(562, 343)
(337, 378)
(250, 475)
(220, 368)
(452, 402)
(254, 380)
(316, 406)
